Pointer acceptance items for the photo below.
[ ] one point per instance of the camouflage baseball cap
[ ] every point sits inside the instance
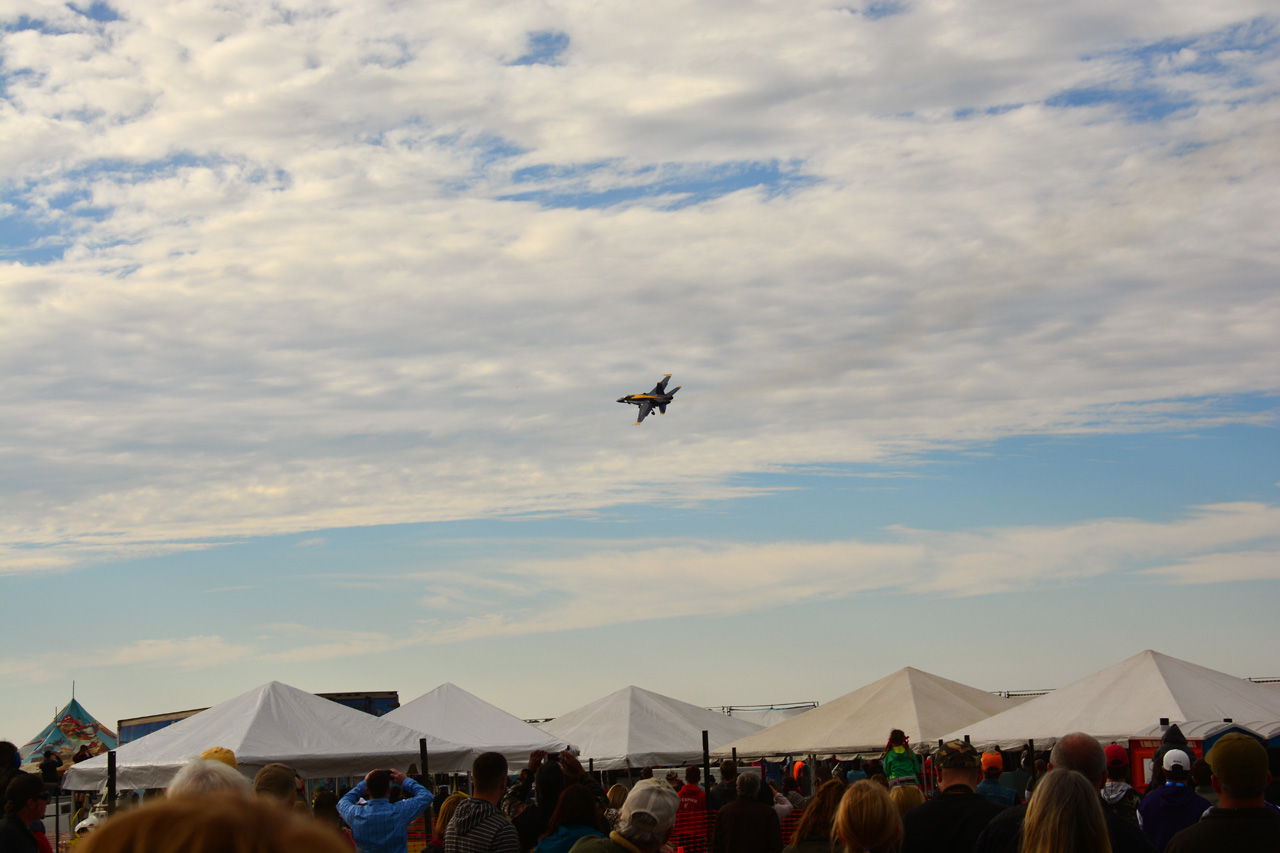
(958, 755)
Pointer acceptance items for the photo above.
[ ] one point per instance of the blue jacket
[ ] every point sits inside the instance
(381, 826)
(565, 837)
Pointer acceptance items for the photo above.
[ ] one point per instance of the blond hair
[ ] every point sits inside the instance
(617, 796)
(214, 823)
(1065, 816)
(906, 798)
(447, 809)
(867, 819)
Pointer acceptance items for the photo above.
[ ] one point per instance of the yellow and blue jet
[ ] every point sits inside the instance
(659, 397)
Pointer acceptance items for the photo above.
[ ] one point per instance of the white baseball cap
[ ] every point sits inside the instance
(1176, 758)
(651, 806)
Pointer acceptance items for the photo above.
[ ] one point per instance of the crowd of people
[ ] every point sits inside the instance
(1082, 802)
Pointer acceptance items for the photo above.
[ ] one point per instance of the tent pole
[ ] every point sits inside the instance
(706, 760)
(422, 753)
(111, 782)
(57, 803)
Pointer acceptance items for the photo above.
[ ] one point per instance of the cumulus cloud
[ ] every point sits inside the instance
(287, 270)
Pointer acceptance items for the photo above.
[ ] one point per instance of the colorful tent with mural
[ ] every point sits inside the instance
(72, 728)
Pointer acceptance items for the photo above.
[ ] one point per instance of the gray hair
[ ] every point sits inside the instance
(203, 776)
(748, 785)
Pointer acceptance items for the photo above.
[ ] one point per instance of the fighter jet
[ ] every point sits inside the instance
(657, 397)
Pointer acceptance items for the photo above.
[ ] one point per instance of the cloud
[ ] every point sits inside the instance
(617, 583)
(1222, 568)
(284, 271)
(188, 653)
(638, 581)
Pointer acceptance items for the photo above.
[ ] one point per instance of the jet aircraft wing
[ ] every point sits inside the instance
(645, 408)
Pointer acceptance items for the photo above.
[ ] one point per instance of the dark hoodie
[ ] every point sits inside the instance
(1168, 810)
(478, 827)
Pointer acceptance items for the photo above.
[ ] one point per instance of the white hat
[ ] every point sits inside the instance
(651, 806)
(1176, 758)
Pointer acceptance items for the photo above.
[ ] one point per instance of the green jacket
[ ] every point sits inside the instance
(901, 764)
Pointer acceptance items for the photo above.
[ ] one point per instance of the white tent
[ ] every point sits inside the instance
(454, 714)
(923, 705)
(1126, 698)
(635, 728)
(274, 722)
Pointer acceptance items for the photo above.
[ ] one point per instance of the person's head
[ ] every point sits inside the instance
(748, 786)
(648, 814)
(789, 784)
(617, 796)
(489, 772)
(447, 808)
(728, 770)
(577, 807)
(277, 782)
(1177, 766)
(26, 797)
(377, 785)
(959, 764)
(897, 737)
(673, 778)
(1201, 775)
(10, 758)
(1082, 753)
(548, 782)
(992, 765)
(1240, 769)
(646, 772)
(867, 819)
(204, 777)
(218, 823)
(324, 808)
(48, 753)
(817, 818)
(906, 797)
(1065, 816)
(1117, 762)
(881, 780)
(692, 775)
(822, 772)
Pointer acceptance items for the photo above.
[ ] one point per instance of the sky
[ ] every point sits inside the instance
(315, 314)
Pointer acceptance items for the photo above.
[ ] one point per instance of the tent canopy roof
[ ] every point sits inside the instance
(921, 704)
(71, 728)
(635, 728)
(274, 722)
(1126, 698)
(454, 714)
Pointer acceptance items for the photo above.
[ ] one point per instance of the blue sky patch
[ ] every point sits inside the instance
(884, 9)
(1204, 54)
(1137, 104)
(96, 11)
(544, 48)
(603, 184)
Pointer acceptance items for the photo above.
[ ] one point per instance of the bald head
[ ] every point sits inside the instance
(1082, 753)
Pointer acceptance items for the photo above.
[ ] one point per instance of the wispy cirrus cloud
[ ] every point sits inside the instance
(635, 581)
(184, 653)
